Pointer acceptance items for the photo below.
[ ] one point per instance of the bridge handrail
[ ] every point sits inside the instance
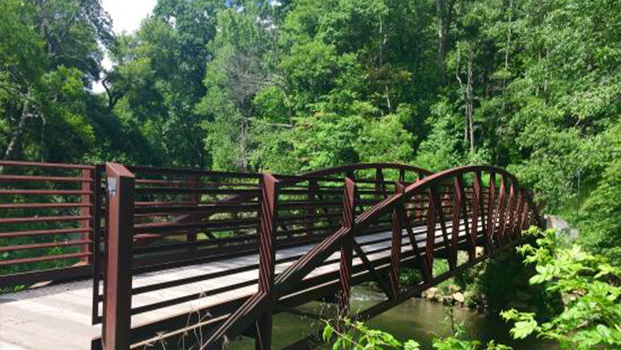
(65, 199)
(494, 234)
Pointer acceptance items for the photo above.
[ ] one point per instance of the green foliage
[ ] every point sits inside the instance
(46, 60)
(360, 337)
(288, 86)
(587, 284)
(356, 336)
(600, 228)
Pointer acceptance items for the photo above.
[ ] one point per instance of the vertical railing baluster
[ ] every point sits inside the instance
(395, 249)
(439, 214)
(491, 225)
(345, 272)
(431, 232)
(97, 241)
(477, 213)
(508, 217)
(313, 188)
(458, 210)
(380, 185)
(87, 209)
(118, 288)
(500, 212)
(516, 230)
(267, 258)
(194, 199)
(524, 218)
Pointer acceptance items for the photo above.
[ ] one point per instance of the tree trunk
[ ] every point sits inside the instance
(469, 99)
(445, 14)
(508, 44)
(16, 134)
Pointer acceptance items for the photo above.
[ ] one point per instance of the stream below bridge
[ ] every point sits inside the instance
(417, 319)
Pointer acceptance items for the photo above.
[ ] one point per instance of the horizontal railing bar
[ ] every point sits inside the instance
(191, 297)
(172, 190)
(45, 192)
(44, 245)
(44, 205)
(56, 274)
(174, 171)
(16, 178)
(46, 165)
(197, 184)
(43, 219)
(156, 203)
(159, 227)
(42, 232)
(44, 258)
(186, 209)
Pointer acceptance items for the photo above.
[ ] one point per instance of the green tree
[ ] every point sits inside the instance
(48, 55)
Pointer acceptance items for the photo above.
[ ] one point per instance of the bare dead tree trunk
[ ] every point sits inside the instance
(508, 44)
(468, 95)
(382, 43)
(445, 16)
(243, 144)
(16, 134)
(469, 98)
(461, 86)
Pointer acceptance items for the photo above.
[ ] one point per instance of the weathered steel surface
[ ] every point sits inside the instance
(54, 205)
(220, 253)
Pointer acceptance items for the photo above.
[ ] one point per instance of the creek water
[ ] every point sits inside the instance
(417, 319)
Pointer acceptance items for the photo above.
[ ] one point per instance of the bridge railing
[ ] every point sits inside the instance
(357, 222)
(455, 213)
(183, 217)
(48, 221)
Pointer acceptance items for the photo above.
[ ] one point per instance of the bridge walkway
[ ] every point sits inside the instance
(58, 317)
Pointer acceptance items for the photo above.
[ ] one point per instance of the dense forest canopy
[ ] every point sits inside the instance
(287, 86)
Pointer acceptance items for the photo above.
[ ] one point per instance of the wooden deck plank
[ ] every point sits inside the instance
(58, 316)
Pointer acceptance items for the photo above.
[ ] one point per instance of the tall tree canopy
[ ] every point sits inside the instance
(295, 85)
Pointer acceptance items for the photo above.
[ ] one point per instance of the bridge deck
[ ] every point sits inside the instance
(59, 316)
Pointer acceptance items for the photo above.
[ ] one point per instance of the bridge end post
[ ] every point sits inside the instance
(116, 328)
(395, 245)
(267, 258)
(346, 261)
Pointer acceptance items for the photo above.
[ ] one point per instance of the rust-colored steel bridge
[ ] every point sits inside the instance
(140, 257)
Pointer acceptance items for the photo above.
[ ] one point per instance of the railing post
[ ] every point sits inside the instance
(459, 209)
(516, 229)
(118, 296)
(502, 199)
(194, 199)
(313, 188)
(267, 258)
(438, 208)
(395, 249)
(430, 239)
(510, 208)
(349, 205)
(97, 242)
(491, 224)
(380, 186)
(478, 212)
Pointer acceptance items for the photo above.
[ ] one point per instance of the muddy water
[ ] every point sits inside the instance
(417, 319)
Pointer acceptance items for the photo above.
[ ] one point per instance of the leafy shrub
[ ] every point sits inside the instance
(590, 292)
